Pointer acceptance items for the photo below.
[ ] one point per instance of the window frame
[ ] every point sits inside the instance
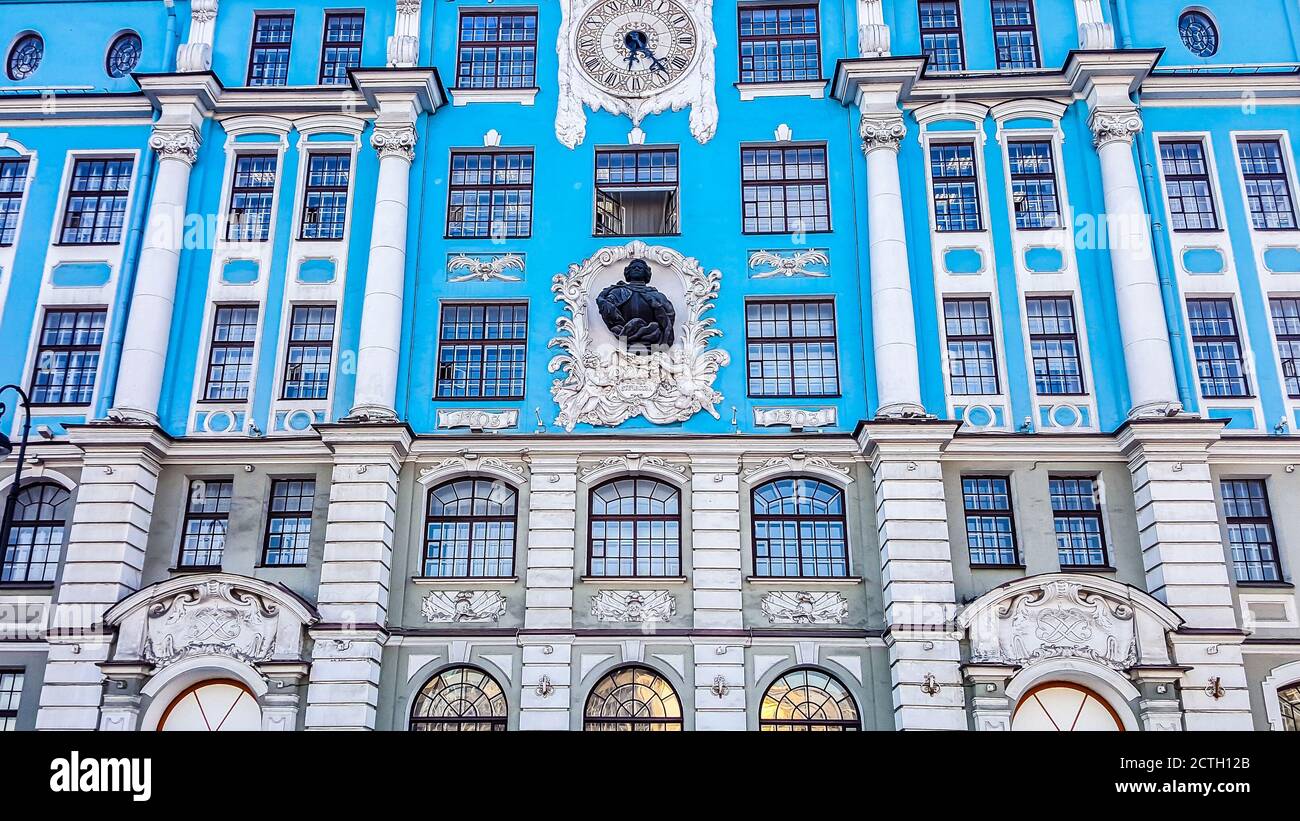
(1267, 520)
(1097, 514)
(272, 516)
(41, 348)
(19, 197)
(237, 189)
(254, 46)
(842, 724)
(1032, 28)
(214, 345)
(1284, 176)
(487, 11)
(9, 715)
(799, 518)
(1292, 340)
(991, 337)
(922, 31)
(1009, 512)
(1243, 353)
(473, 518)
(779, 39)
(290, 345)
(1051, 177)
(495, 723)
(14, 523)
(491, 187)
(785, 183)
(1209, 178)
(834, 339)
(191, 515)
(326, 44)
(483, 343)
(637, 151)
(308, 189)
(1080, 357)
(69, 194)
(634, 518)
(973, 180)
(675, 724)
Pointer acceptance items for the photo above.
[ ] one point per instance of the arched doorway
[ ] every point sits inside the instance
(1059, 706)
(211, 706)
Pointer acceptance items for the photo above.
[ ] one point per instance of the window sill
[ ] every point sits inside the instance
(997, 567)
(463, 581)
(189, 571)
(279, 566)
(815, 89)
(1266, 585)
(25, 587)
(803, 581)
(465, 96)
(627, 581)
(1087, 568)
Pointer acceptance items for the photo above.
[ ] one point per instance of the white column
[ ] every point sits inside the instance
(873, 34)
(195, 54)
(381, 312)
(1152, 386)
(898, 381)
(1094, 32)
(148, 327)
(1182, 550)
(404, 45)
(916, 572)
(716, 600)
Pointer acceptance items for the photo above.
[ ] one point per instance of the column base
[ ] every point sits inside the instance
(370, 413)
(902, 410)
(1159, 410)
(122, 415)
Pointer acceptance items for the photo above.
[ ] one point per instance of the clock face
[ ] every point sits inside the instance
(636, 48)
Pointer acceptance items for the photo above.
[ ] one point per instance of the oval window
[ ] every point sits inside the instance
(25, 56)
(124, 55)
(1199, 33)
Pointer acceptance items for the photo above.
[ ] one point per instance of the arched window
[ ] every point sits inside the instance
(635, 529)
(35, 538)
(25, 56)
(808, 699)
(1063, 707)
(218, 704)
(123, 55)
(1288, 699)
(470, 530)
(1198, 33)
(460, 698)
(633, 698)
(799, 529)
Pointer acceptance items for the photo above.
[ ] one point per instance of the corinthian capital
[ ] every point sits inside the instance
(175, 143)
(1112, 126)
(881, 131)
(394, 141)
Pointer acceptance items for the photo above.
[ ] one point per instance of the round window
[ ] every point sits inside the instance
(123, 55)
(1199, 33)
(25, 57)
(220, 704)
(1063, 707)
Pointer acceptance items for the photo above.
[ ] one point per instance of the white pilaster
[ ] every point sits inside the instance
(1094, 32)
(873, 34)
(716, 600)
(195, 54)
(404, 44)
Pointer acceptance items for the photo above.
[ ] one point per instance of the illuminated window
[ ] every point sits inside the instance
(808, 700)
(463, 699)
(633, 699)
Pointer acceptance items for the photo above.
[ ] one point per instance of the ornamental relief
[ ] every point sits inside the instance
(633, 606)
(805, 607)
(211, 618)
(461, 606)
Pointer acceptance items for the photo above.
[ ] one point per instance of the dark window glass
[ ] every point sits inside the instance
(123, 55)
(636, 192)
(1054, 346)
(972, 355)
(288, 522)
(990, 524)
(230, 358)
(482, 350)
(310, 352)
(35, 538)
(1014, 37)
(497, 51)
(784, 189)
(800, 529)
(25, 57)
(635, 529)
(460, 699)
(268, 63)
(632, 699)
(341, 48)
(941, 35)
(470, 530)
(1033, 184)
(11, 693)
(252, 192)
(808, 700)
(779, 44)
(1289, 705)
(1286, 325)
(491, 194)
(96, 203)
(1250, 530)
(13, 182)
(207, 514)
(325, 203)
(1080, 538)
(1220, 365)
(791, 348)
(1198, 33)
(67, 357)
(1187, 186)
(1268, 192)
(956, 190)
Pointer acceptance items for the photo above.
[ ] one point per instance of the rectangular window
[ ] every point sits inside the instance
(11, 693)
(1054, 346)
(325, 202)
(1014, 37)
(96, 204)
(941, 35)
(1250, 530)
(1033, 184)
(491, 194)
(972, 356)
(230, 358)
(784, 189)
(956, 190)
(990, 524)
(341, 48)
(1187, 186)
(207, 514)
(497, 50)
(779, 44)
(252, 192)
(1220, 366)
(310, 352)
(1286, 325)
(268, 62)
(288, 522)
(636, 192)
(791, 348)
(1268, 191)
(1076, 510)
(67, 356)
(13, 183)
(481, 350)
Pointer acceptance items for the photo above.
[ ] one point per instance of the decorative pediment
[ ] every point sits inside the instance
(799, 463)
(472, 463)
(634, 463)
(1061, 615)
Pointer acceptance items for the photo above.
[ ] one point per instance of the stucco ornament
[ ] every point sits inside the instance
(484, 268)
(804, 607)
(634, 606)
(881, 131)
(607, 382)
(1115, 126)
(394, 141)
(636, 58)
(1057, 619)
(211, 618)
(464, 606)
(175, 143)
(810, 263)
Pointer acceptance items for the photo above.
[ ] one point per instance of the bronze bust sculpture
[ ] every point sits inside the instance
(635, 311)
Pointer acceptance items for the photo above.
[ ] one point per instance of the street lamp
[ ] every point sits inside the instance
(6, 448)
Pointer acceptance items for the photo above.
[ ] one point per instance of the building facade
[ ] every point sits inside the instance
(650, 364)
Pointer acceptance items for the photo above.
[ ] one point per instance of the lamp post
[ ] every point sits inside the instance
(6, 448)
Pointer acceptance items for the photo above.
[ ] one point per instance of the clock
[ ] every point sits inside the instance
(636, 48)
